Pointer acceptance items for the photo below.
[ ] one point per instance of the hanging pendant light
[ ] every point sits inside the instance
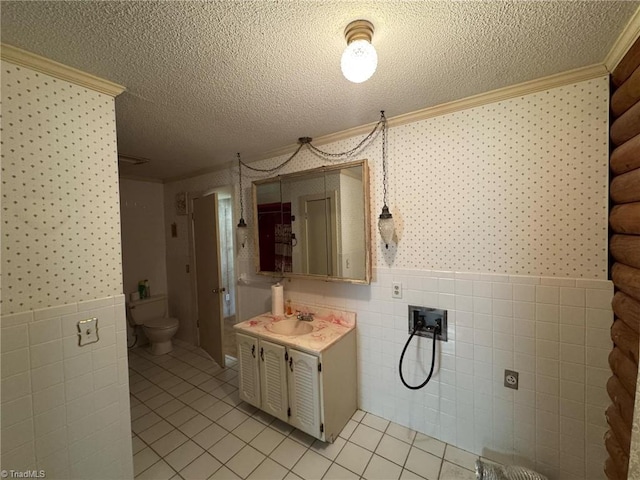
(242, 230)
(359, 60)
(385, 220)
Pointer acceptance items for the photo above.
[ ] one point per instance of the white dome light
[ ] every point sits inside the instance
(359, 59)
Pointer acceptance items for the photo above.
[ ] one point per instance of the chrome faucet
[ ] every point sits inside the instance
(305, 316)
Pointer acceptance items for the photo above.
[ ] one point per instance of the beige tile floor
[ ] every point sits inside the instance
(188, 422)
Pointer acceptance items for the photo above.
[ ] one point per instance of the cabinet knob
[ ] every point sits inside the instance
(253, 351)
(262, 353)
(218, 290)
(291, 363)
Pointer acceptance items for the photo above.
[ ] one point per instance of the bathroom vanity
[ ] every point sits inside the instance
(302, 372)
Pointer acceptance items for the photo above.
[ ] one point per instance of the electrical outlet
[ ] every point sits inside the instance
(430, 318)
(396, 289)
(511, 379)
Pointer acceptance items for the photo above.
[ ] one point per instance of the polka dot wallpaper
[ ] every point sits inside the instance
(60, 203)
(518, 186)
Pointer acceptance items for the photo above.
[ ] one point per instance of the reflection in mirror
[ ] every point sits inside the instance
(315, 223)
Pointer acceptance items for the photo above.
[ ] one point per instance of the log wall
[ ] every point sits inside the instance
(624, 220)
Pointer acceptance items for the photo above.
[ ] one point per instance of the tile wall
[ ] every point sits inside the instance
(553, 331)
(65, 408)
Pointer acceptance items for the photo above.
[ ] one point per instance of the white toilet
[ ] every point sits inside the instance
(151, 314)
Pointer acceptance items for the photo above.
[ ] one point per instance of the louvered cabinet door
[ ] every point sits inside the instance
(304, 392)
(273, 379)
(249, 378)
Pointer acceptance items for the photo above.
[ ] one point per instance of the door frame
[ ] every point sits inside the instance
(226, 191)
(331, 222)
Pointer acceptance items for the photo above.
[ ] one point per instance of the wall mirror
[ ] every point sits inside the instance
(314, 224)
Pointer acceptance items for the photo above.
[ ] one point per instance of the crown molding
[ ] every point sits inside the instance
(624, 42)
(519, 90)
(44, 65)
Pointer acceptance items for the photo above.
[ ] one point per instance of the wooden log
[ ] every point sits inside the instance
(626, 126)
(625, 339)
(627, 309)
(611, 470)
(627, 65)
(619, 428)
(625, 218)
(620, 398)
(625, 188)
(627, 279)
(626, 157)
(626, 95)
(626, 249)
(624, 369)
(617, 454)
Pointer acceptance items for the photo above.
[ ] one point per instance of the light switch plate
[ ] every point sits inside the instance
(87, 331)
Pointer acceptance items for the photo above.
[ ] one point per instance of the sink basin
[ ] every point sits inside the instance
(291, 327)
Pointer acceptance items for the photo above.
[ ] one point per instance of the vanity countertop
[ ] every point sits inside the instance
(328, 326)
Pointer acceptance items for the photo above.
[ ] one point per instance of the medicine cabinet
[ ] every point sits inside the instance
(314, 224)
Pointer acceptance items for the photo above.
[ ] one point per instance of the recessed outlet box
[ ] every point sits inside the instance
(396, 290)
(430, 317)
(511, 379)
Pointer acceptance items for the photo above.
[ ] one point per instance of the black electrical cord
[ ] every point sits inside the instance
(419, 324)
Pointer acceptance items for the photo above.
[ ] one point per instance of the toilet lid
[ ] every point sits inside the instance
(161, 322)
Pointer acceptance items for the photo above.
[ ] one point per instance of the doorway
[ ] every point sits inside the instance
(213, 282)
(319, 234)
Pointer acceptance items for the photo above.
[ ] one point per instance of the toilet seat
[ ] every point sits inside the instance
(162, 323)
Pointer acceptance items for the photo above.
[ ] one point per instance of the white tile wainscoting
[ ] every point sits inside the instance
(65, 408)
(554, 331)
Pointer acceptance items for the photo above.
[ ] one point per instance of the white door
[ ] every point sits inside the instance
(208, 276)
(248, 366)
(273, 379)
(304, 392)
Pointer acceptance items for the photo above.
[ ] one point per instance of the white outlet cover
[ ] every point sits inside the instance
(396, 290)
(87, 331)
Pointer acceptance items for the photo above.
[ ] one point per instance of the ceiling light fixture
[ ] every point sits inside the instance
(359, 59)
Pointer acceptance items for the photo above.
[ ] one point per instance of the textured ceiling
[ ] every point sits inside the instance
(207, 79)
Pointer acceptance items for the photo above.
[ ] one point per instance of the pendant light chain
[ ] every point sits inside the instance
(355, 149)
(384, 157)
(385, 220)
(327, 155)
(241, 192)
(271, 170)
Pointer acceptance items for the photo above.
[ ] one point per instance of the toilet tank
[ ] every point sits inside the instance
(152, 307)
